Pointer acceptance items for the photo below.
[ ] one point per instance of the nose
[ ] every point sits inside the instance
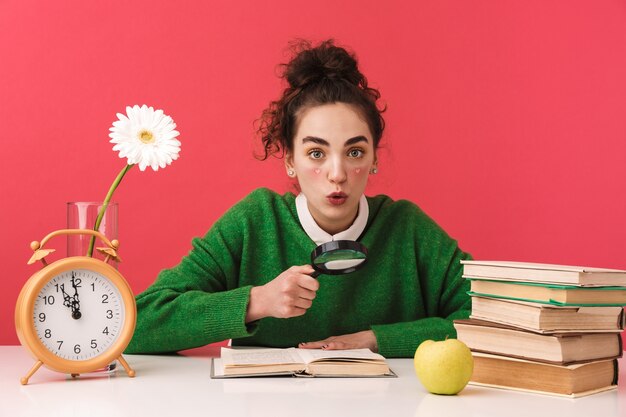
(337, 171)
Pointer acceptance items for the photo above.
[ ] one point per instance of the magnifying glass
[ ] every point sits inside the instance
(338, 257)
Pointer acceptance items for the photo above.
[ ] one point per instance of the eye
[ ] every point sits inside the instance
(316, 154)
(355, 153)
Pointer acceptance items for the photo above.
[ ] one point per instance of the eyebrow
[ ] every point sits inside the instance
(324, 142)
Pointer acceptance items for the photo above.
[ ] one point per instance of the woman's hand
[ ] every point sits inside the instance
(288, 295)
(359, 340)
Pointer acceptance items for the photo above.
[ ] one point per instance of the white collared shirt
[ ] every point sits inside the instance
(319, 235)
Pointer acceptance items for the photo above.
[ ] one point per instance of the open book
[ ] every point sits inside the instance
(299, 362)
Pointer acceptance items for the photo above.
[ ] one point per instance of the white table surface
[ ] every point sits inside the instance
(179, 385)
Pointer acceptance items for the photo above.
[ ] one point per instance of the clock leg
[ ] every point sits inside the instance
(129, 370)
(30, 373)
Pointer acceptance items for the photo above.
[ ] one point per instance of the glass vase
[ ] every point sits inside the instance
(83, 215)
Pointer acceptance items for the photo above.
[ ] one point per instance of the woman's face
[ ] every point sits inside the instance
(333, 153)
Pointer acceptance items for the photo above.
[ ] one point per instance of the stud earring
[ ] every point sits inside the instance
(291, 172)
(374, 170)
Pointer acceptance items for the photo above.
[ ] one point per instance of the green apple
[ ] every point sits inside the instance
(444, 367)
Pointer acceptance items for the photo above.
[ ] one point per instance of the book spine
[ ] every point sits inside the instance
(615, 372)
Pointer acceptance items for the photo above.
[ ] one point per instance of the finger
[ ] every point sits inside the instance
(309, 283)
(306, 294)
(336, 346)
(303, 303)
(302, 269)
(312, 345)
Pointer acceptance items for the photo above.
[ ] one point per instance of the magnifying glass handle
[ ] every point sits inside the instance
(316, 274)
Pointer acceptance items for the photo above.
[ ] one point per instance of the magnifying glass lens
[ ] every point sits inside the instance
(338, 257)
(343, 264)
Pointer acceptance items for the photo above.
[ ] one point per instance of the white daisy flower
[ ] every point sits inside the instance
(146, 137)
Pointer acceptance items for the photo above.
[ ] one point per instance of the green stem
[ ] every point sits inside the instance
(105, 204)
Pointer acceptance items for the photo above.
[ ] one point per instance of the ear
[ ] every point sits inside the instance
(288, 160)
(291, 172)
(374, 167)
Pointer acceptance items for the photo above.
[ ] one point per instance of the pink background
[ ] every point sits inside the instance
(506, 119)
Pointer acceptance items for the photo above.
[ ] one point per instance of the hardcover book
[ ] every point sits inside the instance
(518, 374)
(299, 362)
(549, 293)
(558, 348)
(545, 318)
(546, 273)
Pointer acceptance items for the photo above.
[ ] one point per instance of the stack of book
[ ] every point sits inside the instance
(550, 329)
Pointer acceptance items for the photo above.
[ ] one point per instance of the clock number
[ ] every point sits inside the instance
(47, 334)
(93, 286)
(106, 331)
(93, 344)
(105, 299)
(77, 349)
(49, 300)
(42, 317)
(60, 342)
(109, 314)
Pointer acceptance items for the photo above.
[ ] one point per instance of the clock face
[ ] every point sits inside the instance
(78, 314)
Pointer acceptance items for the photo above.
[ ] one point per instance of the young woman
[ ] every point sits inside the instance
(248, 279)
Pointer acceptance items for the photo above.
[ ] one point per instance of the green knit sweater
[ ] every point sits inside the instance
(410, 290)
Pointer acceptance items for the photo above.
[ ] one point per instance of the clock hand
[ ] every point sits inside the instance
(67, 300)
(75, 301)
(76, 314)
(71, 302)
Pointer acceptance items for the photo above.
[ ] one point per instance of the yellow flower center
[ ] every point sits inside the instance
(146, 136)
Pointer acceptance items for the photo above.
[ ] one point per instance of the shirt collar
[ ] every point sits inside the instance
(319, 235)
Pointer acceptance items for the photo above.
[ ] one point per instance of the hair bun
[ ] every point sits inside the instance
(320, 75)
(324, 62)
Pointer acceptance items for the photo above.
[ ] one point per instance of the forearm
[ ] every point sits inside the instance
(448, 300)
(400, 340)
(169, 321)
(445, 299)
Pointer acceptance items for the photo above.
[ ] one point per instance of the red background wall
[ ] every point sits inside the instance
(506, 119)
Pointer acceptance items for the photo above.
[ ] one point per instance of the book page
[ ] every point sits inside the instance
(310, 355)
(259, 356)
(539, 266)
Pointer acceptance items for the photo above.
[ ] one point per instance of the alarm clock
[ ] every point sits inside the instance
(77, 314)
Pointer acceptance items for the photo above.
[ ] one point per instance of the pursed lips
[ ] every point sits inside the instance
(337, 198)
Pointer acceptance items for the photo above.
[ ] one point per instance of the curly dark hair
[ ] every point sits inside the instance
(317, 75)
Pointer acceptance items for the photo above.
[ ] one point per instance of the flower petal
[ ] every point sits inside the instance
(156, 153)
